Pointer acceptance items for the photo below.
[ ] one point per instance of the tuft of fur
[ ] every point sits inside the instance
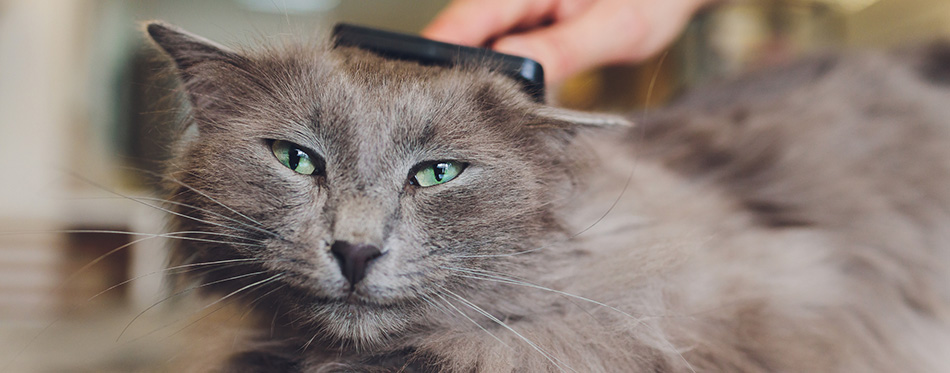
(794, 220)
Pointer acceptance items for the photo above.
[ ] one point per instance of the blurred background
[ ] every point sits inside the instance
(81, 116)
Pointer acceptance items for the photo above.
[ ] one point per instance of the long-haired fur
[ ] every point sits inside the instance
(793, 220)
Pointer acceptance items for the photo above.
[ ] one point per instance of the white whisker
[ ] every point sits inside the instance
(179, 293)
(200, 193)
(640, 321)
(189, 267)
(446, 301)
(555, 361)
(259, 229)
(511, 281)
(167, 210)
(259, 283)
(251, 304)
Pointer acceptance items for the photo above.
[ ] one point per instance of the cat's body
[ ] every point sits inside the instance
(794, 221)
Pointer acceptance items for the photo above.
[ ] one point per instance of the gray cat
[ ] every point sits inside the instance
(380, 215)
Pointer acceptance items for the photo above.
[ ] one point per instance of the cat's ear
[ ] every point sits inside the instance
(208, 70)
(188, 50)
(580, 118)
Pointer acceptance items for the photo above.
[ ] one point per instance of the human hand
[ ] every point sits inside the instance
(565, 36)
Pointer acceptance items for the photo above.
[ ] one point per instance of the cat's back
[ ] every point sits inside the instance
(809, 202)
(855, 142)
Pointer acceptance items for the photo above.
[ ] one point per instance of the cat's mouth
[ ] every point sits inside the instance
(358, 300)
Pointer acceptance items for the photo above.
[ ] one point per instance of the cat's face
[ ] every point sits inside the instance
(351, 188)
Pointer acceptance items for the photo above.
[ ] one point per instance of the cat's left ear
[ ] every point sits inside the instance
(580, 118)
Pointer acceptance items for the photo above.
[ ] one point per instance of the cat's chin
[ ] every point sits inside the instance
(365, 325)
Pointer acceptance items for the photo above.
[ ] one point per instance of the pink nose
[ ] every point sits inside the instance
(353, 259)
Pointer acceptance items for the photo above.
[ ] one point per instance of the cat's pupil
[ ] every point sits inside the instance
(439, 170)
(293, 159)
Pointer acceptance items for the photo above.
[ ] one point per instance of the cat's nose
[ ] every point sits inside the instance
(353, 259)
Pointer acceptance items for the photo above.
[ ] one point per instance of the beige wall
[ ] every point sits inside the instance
(38, 103)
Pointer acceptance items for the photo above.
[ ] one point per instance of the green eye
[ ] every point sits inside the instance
(434, 173)
(293, 157)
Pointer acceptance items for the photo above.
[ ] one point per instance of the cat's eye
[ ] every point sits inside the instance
(434, 173)
(295, 158)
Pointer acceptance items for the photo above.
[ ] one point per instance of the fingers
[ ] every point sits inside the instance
(565, 36)
(475, 22)
(606, 32)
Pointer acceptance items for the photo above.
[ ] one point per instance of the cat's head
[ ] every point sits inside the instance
(352, 190)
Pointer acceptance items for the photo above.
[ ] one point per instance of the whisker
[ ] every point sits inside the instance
(446, 301)
(307, 345)
(204, 210)
(150, 236)
(195, 312)
(639, 320)
(189, 217)
(489, 276)
(176, 181)
(102, 257)
(250, 306)
(555, 361)
(431, 302)
(178, 236)
(528, 251)
(179, 293)
(273, 321)
(189, 267)
(75, 307)
(259, 283)
(504, 255)
(131, 233)
(162, 208)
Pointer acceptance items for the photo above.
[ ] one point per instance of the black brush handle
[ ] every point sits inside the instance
(430, 52)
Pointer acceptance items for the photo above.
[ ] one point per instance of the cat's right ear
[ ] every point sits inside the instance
(202, 64)
(188, 50)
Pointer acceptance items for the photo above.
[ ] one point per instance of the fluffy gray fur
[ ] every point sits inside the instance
(797, 220)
